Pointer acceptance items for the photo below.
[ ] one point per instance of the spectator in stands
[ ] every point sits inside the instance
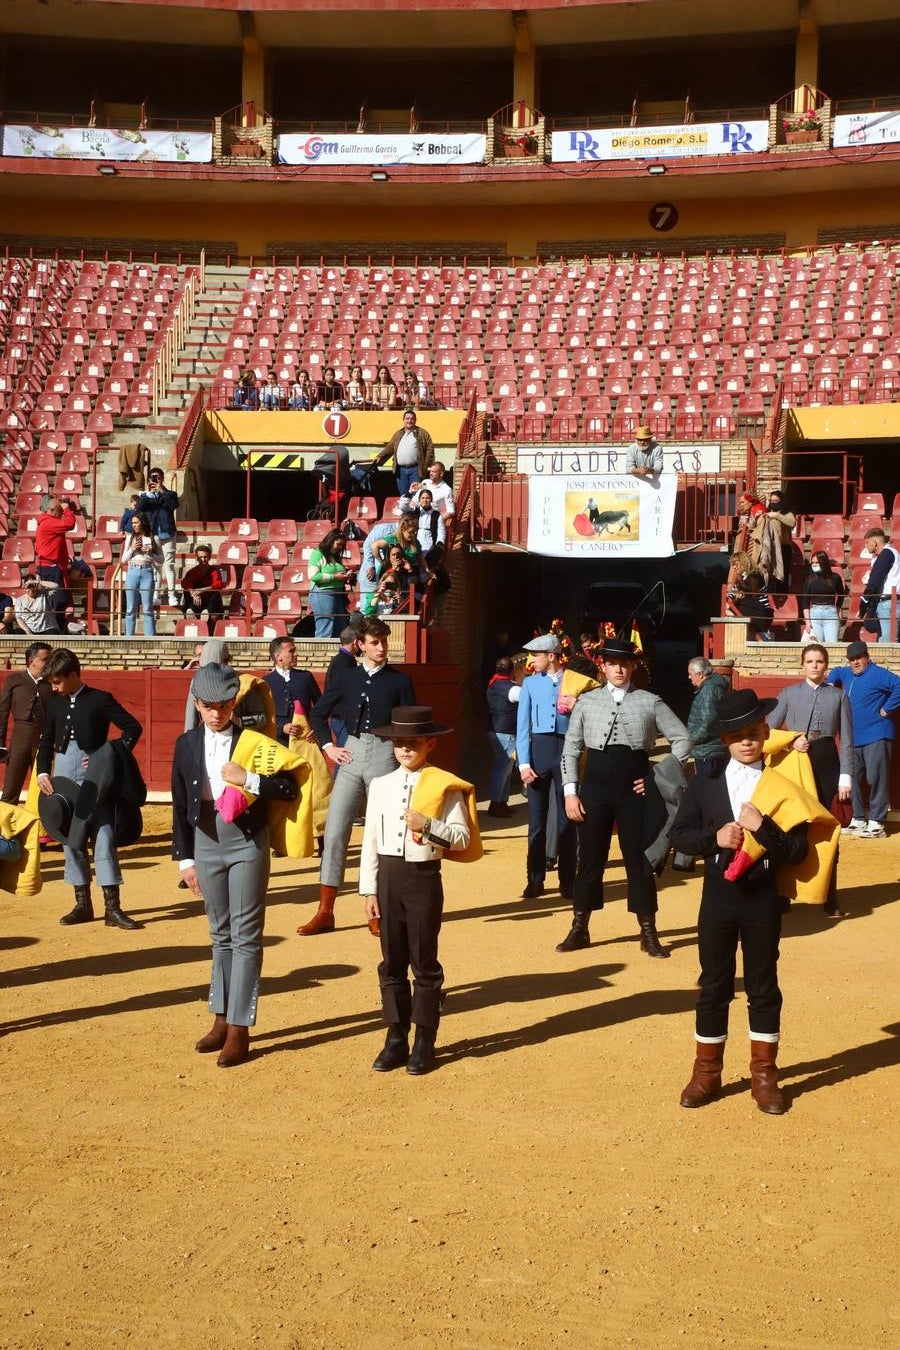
(823, 595)
(194, 663)
(127, 514)
(502, 698)
(201, 586)
(393, 583)
(749, 509)
(270, 394)
(822, 718)
(709, 689)
(328, 579)
(302, 395)
(143, 555)
(748, 594)
(289, 686)
(411, 451)
(874, 694)
(383, 391)
(784, 520)
(645, 456)
(438, 577)
(8, 624)
(769, 544)
(432, 529)
(159, 505)
(414, 393)
(52, 550)
(356, 388)
(330, 393)
(368, 570)
(34, 608)
(25, 697)
(437, 485)
(245, 393)
(881, 588)
(405, 533)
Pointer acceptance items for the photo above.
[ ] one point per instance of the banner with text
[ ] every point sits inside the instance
(542, 462)
(366, 149)
(868, 128)
(608, 516)
(180, 147)
(673, 142)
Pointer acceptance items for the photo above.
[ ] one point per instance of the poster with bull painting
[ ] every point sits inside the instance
(615, 516)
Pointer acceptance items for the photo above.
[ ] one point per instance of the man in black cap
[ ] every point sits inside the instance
(618, 725)
(712, 818)
(77, 726)
(541, 727)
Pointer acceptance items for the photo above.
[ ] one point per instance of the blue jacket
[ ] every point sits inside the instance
(159, 508)
(874, 689)
(537, 713)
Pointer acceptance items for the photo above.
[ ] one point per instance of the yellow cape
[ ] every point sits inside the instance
(321, 781)
(779, 755)
(259, 697)
(788, 804)
(290, 823)
(428, 797)
(574, 685)
(22, 876)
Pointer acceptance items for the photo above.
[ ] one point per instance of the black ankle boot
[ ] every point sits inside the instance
(396, 1049)
(423, 1059)
(578, 935)
(83, 911)
(115, 915)
(650, 938)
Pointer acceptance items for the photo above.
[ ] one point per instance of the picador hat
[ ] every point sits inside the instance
(741, 708)
(410, 722)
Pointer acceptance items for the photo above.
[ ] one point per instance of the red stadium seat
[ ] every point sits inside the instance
(244, 529)
(286, 605)
(18, 548)
(283, 529)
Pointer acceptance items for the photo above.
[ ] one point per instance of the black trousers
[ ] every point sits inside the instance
(609, 799)
(826, 766)
(411, 900)
(23, 746)
(753, 920)
(546, 754)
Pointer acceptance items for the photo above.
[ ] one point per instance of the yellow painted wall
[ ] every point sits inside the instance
(867, 421)
(306, 428)
(516, 228)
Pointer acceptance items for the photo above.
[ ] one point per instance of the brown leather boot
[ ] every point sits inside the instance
(236, 1047)
(764, 1087)
(323, 919)
(706, 1079)
(214, 1038)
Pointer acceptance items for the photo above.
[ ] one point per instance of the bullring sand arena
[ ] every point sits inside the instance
(541, 1189)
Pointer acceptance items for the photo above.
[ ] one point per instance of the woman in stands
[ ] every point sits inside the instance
(356, 388)
(406, 536)
(328, 581)
(330, 393)
(141, 556)
(823, 595)
(394, 582)
(414, 393)
(302, 396)
(383, 391)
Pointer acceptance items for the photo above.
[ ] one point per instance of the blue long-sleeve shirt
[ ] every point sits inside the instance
(538, 714)
(874, 689)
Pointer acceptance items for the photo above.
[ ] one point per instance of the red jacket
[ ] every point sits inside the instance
(202, 578)
(51, 549)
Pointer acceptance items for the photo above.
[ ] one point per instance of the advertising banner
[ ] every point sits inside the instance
(539, 461)
(608, 516)
(672, 142)
(869, 128)
(176, 147)
(364, 148)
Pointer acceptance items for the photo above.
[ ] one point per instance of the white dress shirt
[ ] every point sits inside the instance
(388, 834)
(216, 754)
(741, 781)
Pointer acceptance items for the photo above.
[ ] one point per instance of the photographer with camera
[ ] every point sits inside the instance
(52, 551)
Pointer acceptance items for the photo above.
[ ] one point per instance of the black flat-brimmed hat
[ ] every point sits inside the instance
(410, 722)
(56, 812)
(741, 708)
(618, 647)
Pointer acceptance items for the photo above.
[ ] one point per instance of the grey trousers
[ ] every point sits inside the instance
(371, 759)
(872, 765)
(168, 547)
(77, 871)
(234, 878)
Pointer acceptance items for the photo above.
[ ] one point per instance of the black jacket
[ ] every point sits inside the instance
(87, 720)
(187, 786)
(705, 808)
(159, 508)
(302, 686)
(362, 701)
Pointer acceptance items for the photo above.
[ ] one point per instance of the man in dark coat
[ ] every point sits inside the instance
(710, 689)
(25, 697)
(289, 686)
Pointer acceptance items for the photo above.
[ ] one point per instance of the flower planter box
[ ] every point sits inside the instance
(806, 137)
(515, 152)
(247, 149)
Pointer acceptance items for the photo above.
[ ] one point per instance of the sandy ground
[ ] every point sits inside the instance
(542, 1189)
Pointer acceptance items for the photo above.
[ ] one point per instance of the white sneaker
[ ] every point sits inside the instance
(874, 830)
(856, 825)
(173, 598)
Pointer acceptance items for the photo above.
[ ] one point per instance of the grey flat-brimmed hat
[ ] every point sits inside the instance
(546, 642)
(215, 683)
(411, 722)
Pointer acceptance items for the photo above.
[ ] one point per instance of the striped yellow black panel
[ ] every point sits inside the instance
(274, 459)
